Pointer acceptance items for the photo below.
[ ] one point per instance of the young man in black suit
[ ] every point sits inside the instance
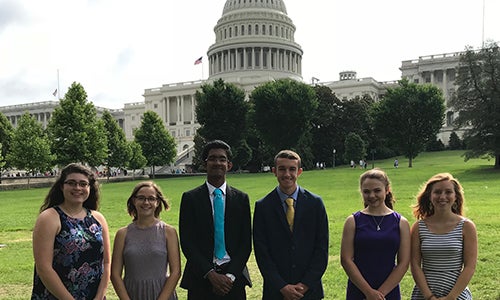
(212, 273)
(290, 234)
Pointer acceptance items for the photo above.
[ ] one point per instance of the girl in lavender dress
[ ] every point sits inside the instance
(147, 249)
(375, 249)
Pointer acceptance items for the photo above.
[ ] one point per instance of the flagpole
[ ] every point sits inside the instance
(58, 89)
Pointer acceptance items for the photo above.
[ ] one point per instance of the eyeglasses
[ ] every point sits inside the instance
(144, 198)
(73, 183)
(220, 159)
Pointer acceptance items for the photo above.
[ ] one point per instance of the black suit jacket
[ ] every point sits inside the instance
(284, 257)
(196, 231)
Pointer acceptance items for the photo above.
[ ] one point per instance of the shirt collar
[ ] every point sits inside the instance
(283, 196)
(212, 188)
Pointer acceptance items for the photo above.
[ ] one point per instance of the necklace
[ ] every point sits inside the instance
(378, 224)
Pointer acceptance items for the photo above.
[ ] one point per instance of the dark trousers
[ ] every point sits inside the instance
(205, 291)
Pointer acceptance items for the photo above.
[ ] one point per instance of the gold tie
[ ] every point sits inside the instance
(290, 212)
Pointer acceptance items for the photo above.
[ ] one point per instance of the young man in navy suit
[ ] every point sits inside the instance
(209, 273)
(290, 243)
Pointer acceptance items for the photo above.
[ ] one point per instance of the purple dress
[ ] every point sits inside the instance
(375, 251)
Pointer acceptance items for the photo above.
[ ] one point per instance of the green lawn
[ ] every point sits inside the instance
(338, 187)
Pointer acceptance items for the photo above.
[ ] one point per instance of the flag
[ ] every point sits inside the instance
(54, 93)
(198, 61)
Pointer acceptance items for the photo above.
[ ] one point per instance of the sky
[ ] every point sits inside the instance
(118, 48)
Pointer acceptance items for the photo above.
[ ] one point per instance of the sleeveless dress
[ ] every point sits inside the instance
(78, 257)
(145, 261)
(442, 260)
(375, 251)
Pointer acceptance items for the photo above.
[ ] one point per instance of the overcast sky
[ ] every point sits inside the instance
(118, 48)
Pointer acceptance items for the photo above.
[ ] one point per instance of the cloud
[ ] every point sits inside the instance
(11, 12)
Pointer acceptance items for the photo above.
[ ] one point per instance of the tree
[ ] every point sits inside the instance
(409, 116)
(477, 100)
(137, 160)
(326, 125)
(75, 132)
(283, 113)
(2, 162)
(454, 143)
(6, 132)
(30, 148)
(157, 145)
(119, 152)
(355, 148)
(222, 112)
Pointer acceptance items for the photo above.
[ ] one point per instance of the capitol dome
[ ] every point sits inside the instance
(254, 39)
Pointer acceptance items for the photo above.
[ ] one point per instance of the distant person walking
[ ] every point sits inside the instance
(396, 163)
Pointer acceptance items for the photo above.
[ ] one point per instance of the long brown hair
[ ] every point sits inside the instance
(424, 207)
(56, 196)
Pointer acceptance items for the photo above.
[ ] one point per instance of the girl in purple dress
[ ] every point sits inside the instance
(375, 249)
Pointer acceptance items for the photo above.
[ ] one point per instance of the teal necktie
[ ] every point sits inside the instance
(220, 244)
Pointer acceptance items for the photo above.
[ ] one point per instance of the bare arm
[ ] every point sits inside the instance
(103, 285)
(174, 262)
(403, 259)
(47, 226)
(347, 261)
(470, 259)
(416, 263)
(117, 264)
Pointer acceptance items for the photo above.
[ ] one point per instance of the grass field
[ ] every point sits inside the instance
(339, 189)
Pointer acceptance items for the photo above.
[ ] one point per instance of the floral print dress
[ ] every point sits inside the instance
(78, 257)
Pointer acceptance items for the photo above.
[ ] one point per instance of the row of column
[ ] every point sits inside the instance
(256, 58)
(43, 118)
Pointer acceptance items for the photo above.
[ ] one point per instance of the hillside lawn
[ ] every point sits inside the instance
(338, 188)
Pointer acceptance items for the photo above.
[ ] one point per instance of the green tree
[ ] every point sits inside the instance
(354, 116)
(75, 132)
(137, 160)
(6, 133)
(221, 111)
(454, 143)
(478, 101)
(410, 116)
(30, 148)
(326, 125)
(119, 152)
(2, 162)
(283, 112)
(355, 147)
(157, 145)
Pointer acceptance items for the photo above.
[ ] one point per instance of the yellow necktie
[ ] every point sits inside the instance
(290, 212)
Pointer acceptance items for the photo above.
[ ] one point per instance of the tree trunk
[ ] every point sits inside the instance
(497, 161)
(410, 162)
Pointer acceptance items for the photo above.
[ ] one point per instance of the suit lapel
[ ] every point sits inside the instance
(206, 209)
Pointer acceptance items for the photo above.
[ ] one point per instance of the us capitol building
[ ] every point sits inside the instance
(254, 43)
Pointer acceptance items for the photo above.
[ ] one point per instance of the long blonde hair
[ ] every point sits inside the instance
(424, 207)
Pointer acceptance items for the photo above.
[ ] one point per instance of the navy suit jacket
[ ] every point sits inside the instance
(284, 257)
(196, 231)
